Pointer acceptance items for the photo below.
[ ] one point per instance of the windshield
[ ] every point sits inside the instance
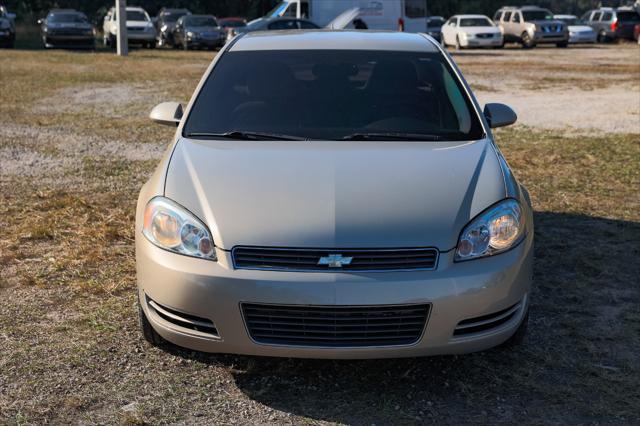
(173, 16)
(475, 22)
(332, 94)
(201, 21)
(70, 18)
(136, 15)
(537, 15)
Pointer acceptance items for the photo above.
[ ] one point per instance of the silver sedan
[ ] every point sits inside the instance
(343, 199)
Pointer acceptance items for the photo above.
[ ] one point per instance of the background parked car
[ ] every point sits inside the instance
(579, 32)
(198, 31)
(636, 32)
(7, 29)
(67, 28)
(471, 31)
(434, 27)
(231, 24)
(531, 25)
(263, 24)
(166, 23)
(612, 24)
(140, 29)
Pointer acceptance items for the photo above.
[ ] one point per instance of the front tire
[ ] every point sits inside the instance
(147, 331)
(458, 45)
(527, 41)
(185, 45)
(562, 45)
(602, 37)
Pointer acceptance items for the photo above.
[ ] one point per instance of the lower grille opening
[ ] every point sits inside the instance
(335, 326)
(191, 322)
(486, 322)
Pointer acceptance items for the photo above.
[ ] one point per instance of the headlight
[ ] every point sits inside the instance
(164, 28)
(191, 34)
(495, 230)
(468, 35)
(172, 227)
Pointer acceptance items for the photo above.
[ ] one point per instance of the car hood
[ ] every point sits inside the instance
(545, 22)
(139, 24)
(480, 30)
(580, 28)
(335, 194)
(84, 26)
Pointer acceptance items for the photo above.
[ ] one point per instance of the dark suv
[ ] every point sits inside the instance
(612, 24)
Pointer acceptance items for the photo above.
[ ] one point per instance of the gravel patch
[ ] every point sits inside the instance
(610, 110)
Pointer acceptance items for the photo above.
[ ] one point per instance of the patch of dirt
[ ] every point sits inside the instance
(115, 101)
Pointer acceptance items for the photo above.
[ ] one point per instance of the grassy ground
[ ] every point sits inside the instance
(75, 147)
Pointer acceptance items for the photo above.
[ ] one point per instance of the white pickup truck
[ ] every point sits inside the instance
(402, 15)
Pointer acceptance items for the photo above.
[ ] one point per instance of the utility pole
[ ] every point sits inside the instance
(121, 16)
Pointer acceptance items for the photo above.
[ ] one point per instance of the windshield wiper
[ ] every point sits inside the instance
(247, 136)
(390, 136)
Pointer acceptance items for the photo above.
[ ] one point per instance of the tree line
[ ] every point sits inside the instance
(95, 9)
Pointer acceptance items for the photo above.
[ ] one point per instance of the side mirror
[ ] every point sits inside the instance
(499, 115)
(167, 113)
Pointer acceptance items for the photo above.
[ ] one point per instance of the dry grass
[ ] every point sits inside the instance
(70, 350)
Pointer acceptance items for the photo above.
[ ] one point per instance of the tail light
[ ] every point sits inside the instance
(400, 24)
(614, 25)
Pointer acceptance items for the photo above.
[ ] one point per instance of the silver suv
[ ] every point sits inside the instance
(531, 25)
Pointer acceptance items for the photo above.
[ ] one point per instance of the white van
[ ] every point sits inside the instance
(403, 15)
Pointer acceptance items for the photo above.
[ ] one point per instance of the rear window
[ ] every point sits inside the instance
(331, 94)
(628, 16)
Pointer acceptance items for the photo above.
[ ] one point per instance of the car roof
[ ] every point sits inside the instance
(64, 11)
(333, 40)
(565, 16)
(198, 16)
(471, 16)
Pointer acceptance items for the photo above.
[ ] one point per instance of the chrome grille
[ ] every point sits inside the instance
(321, 259)
(335, 326)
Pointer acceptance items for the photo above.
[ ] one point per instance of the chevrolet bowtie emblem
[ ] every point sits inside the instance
(335, 261)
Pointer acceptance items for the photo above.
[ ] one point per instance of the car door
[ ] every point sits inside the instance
(178, 32)
(517, 26)
(449, 30)
(595, 20)
(505, 24)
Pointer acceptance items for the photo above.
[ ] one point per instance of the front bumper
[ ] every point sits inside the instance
(482, 42)
(206, 42)
(215, 291)
(583, 38)
(69, 40)
(541, 37)
(143, 37)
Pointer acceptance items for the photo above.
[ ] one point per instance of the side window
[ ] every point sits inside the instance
(596, 16)
(305, 25)
(607, 16)
(415, 8)
(453, 23)
(506, 17)
(516, 17)
(284, 24)
(496, 16)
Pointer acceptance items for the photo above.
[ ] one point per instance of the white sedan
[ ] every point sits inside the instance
(578, 31)
(471, 31)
